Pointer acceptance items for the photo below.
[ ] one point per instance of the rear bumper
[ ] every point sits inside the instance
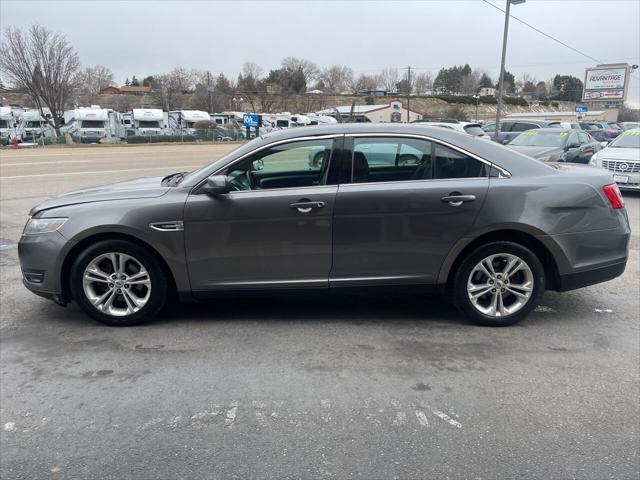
(573, 281)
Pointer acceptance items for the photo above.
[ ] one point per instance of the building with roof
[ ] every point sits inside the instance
(127, 89)
(393, 111)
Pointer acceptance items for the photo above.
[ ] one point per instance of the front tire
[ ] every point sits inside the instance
(498, 284)
(118, 283)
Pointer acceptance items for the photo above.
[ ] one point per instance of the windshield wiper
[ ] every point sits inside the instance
(173, 179)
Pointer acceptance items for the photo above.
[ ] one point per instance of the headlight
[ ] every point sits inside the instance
(37, 226)
(593, 162)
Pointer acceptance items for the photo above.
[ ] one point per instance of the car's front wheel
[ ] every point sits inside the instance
(118, 283)
(498, 284)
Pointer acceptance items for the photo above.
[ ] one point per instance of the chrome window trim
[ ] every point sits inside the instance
(264, 147)
(503, 171)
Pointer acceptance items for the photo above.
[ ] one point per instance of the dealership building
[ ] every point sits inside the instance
(393, 111)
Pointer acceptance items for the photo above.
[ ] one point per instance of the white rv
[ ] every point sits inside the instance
(32, 126)
(8, 124)
(277, 120)
(183, 121)
(145, 121)
(90, 125)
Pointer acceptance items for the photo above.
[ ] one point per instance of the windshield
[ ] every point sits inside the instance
(148, 124)
(537, 138)
(628, 139)
(92, 124)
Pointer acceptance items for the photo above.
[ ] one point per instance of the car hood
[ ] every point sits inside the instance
(612, 153)
(147, 187)
(536, 152)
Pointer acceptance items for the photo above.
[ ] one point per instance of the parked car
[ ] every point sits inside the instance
(622, 158)
(470, 128)
(475, 129)
(511, 128)
(602, 131)
(629, 125)
(556, 145)
(473, 218)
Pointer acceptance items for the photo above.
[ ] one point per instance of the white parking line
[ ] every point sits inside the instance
(36, 175)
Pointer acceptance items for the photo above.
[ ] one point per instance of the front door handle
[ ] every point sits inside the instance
(306, 206)
(457, 200)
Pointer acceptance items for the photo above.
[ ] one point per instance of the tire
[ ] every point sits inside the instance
(515, 294)
(133, 303)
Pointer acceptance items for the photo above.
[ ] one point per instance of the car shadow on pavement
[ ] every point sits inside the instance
(356, 308)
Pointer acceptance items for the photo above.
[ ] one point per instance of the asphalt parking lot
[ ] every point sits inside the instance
(313, 386)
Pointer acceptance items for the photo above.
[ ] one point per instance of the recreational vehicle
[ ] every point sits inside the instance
(183, 121)
(145, 121)
(8, 124)
(32, 126)
(91, 125)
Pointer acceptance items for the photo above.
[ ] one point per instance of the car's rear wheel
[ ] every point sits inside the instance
(118, 283)
(498, 284)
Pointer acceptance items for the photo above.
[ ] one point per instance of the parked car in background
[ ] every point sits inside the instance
(491, 226)
(629, 125)
(602, 131)
(556, 145)
(622, 158)
(475, 129)
(471, 128)
(511, 128)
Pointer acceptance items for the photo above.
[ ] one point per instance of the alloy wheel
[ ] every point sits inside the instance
(116, 284)
(500, 285)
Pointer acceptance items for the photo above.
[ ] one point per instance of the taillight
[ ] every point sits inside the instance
(613, 194)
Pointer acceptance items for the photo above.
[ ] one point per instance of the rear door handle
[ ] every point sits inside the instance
(306, 207)
(457, 200)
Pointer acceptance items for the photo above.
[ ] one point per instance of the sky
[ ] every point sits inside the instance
(146, 37)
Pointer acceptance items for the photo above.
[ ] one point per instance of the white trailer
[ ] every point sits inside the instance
(183, 121)
(91, 125)
(8, 125)
(145, 122)
(32, 126)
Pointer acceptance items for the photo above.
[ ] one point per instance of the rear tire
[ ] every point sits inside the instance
(498, 284)
(118, 283)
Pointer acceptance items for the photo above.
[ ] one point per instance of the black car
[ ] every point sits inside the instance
(556, 145)
(602, 131)
(509, 129)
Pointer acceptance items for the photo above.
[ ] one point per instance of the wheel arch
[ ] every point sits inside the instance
(525, 239)
(65, 271)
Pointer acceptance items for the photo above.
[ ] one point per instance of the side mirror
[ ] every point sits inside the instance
(572, 145)
(216, 185)
(505, 141)
(604, 144)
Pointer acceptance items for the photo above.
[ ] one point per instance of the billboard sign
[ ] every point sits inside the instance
(605, 82)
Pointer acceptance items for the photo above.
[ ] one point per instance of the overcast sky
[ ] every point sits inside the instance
(146, 37)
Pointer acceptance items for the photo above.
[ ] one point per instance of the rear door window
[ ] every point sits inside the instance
(391, 159)
(523, 126)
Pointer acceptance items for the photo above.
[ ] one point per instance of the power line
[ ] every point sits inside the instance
(549, 36)
(545, 34)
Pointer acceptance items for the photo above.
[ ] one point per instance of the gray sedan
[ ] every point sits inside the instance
(389, 206)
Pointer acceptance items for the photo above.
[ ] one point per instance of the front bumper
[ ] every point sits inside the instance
(41, 264)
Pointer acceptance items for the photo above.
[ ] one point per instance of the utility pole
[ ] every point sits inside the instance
(504, 54)
(408, 94)
(209, 91)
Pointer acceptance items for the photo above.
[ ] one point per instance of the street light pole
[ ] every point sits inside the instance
(504, 54)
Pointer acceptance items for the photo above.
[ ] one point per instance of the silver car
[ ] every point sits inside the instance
(622, 158)
(388, 206)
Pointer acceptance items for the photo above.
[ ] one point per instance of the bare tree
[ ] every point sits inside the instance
(423, 82)
(389, 78)
(470, 83)
(336, 78)
(366, 82)
(91, 80)
(42, 63)
(309, 69)
(251, 70)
